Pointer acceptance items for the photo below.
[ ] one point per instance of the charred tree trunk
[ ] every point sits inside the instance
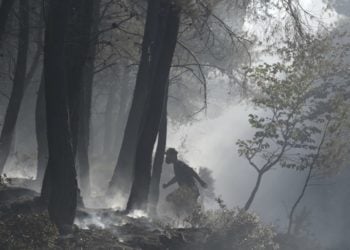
(122, 110)
(18, 85)
(38, 52)
(70, 55)
(108, 122)
(122, 176)
(158, 159)
(163, 54)
(85, 107)
(76, 51)
(67, 39)
(5, 9)
(60, 175)
(40, 129)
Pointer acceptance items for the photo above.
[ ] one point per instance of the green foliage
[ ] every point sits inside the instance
(298, 97)
(233, 229)
(32, 231)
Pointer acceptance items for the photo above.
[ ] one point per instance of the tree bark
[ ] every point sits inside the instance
(60, 175)
(254, 191)
(122, 175)
(122, 110)
(85, 107)
(18, 85)
(108, 122)
(5, 9)
(315, 158)
(163, 55)
(295, 205)
(38, 52)
(67, 40)
(158, 159)
(76, 51)
(40, 129)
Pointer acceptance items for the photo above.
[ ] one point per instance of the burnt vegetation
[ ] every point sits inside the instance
(94, 92)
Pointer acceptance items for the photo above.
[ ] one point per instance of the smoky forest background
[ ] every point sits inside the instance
(254, 96)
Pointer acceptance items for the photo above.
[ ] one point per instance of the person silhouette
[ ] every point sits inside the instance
(185, 177)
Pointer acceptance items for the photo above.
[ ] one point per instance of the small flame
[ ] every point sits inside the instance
(136, 214)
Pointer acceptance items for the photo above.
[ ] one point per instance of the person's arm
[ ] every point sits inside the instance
(171, 182)
(196, 176)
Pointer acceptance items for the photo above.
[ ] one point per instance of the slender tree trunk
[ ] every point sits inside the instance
(38, 52)
(34, 65)
(18, 85)
(158, 159)
(108, 122)
(253, 193)
(122, 111)
(122, 176)
(307, 180)
(85, 107)
(60, 175)
(5, 9)
(301, 195)
(163, 55)
(40, 128)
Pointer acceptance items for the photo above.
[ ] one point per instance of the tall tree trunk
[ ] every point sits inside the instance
(76, 51)
(5, 9)
(60, 175)
(254, 191)
(163, 55)
(34, 65)
(40, 129)
(122, 110)
(314, 160)
(85, 107)
(67, 40)
(158, 159)
(39, 50)
(296, 203)
(122, 176)
(18, 85)
(75, 31)
(108, 122)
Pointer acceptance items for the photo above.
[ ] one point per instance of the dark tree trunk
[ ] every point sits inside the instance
(67, 40)
(122, 110)
(38, 52)
(18, 85)
(163, 55)
(122, 176)
(60, 183)
(108, 122)
(76, 51)
(85, 107)
(5, 9)
(40, 129)
(158, 159)
(254, 191)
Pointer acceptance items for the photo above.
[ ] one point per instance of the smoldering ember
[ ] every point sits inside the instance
(175, 124)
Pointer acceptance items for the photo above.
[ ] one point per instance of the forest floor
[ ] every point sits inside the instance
(24, 224)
